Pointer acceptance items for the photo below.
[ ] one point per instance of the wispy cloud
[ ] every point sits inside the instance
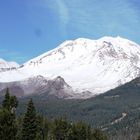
(98, 18)
(61, 12)
(91, 18)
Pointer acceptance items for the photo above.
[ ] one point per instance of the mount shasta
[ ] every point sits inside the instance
(80, 68)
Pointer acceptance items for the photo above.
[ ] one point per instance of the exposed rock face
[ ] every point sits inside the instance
(38, 85)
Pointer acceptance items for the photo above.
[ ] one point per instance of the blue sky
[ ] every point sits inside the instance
(29, 28)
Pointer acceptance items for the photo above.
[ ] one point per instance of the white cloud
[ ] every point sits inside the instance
(63, 12)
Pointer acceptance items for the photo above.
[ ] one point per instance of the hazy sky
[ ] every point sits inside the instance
(31, 27)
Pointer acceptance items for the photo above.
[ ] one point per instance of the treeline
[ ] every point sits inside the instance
(33, 126)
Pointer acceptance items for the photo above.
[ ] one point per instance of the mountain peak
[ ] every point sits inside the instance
(88, 66)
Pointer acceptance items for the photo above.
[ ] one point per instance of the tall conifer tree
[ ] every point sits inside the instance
(8, 127)
(6, 101)
(29, 127)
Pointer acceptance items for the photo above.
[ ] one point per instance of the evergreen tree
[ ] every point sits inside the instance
(47, 127)
(19, 124)
(60, 129)
(13, 102)
(8, 127)
(97, 134)
(10, 102)
(6, 101)
(40, 128)
(78, 131)
(29, 127)
(88, 133)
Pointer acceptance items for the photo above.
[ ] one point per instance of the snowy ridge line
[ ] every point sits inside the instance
(6, 66)
(90, 67)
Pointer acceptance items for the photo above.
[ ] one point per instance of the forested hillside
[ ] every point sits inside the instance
(117, 112)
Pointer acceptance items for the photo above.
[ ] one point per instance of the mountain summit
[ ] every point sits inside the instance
(90, 67)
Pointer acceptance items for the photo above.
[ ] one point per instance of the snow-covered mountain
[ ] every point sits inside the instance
(38, 85)
(5, 66)
(90, 67)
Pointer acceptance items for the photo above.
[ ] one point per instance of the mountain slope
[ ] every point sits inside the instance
(116, 111)
(86, 65)
(38, 85)
(5, 66)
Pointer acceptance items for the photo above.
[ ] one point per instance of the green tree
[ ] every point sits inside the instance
(29, 126)
(8, 127)
(40, 128)
(78, 131)
(19, 124)
(13, 102)
(44, 127)
(88, 133)
(10, 102)
(60, 129)
(47, 127)
(97, 134)
(6, 101)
